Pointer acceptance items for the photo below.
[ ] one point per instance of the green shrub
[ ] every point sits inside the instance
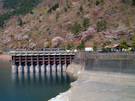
(70, 46)
(81, 8)
(123, 45)
(26, 40)
(63, 47)
(53, 8)
(133, 41)
(101, 25)
(76, 28)
(81, 46)
(95, 46)
(20, 21)
(57, 16)
(65, 9)
(128, 22)
(86, 22)
(97, 2)
(133, 2)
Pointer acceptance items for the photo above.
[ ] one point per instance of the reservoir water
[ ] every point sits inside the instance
(31, 86)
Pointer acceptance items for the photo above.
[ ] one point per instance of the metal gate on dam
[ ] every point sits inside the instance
(40, 61)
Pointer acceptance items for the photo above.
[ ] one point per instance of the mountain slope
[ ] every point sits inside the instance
(40, 28)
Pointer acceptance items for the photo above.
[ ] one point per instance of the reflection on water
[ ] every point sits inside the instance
(46, 78)
(31, 86)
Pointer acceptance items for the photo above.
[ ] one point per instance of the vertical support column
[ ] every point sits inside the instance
(26, 65)
(70, 59)
(65, 65)
(31, 67)
(20, 65)
(59, 66)
(37, 66)
(54, 65)
(14, 68)
(48, 66)
(43, 65)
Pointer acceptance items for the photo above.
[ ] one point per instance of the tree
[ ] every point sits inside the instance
(72, 46)
(63, 47)
(81, 46)
(65, 9)
(86, 22)
(20, 21)
(101, 25)
(68, 46)
(57, 16)
(97, 2)
(81, 8)
(19, 6)
(95, 46)
(123, 45)
(76, 28)
(103, 47)
(109, 44)
(133, 2)
(133, 41)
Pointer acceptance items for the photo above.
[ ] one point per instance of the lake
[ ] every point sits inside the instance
(31, 86)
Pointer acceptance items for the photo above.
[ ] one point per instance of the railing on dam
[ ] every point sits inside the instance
(40, 61)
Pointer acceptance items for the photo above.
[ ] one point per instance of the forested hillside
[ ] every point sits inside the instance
(65, 23)
(19, 6)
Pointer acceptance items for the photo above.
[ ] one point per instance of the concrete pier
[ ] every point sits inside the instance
(19, 69)
(43, 68)
(48, 68)
(37, 68)
(59, 68)
(25, 69)
(14, 68)
(54, 68)
(31, 68)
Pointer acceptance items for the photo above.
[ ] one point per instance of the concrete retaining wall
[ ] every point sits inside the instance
(106, 62)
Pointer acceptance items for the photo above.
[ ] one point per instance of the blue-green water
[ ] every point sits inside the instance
(32, 86)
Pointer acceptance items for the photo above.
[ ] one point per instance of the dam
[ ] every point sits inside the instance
(40, 61)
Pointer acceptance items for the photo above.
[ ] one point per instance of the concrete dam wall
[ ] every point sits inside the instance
(106, 62)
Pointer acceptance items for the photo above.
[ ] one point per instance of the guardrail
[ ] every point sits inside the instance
(24, 53)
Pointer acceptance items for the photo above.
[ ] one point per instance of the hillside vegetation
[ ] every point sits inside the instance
(55, 23)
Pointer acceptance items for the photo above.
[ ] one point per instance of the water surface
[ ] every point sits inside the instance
(31, 86)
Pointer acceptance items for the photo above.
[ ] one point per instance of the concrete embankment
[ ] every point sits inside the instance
(101, 77)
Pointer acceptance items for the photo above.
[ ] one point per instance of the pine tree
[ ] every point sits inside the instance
(81, 8)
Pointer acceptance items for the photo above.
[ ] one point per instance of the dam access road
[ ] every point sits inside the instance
(101, 77)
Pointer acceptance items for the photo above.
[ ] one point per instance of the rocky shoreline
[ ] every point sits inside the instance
(76, 71)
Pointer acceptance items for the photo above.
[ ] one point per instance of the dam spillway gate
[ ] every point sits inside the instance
(40, 61)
